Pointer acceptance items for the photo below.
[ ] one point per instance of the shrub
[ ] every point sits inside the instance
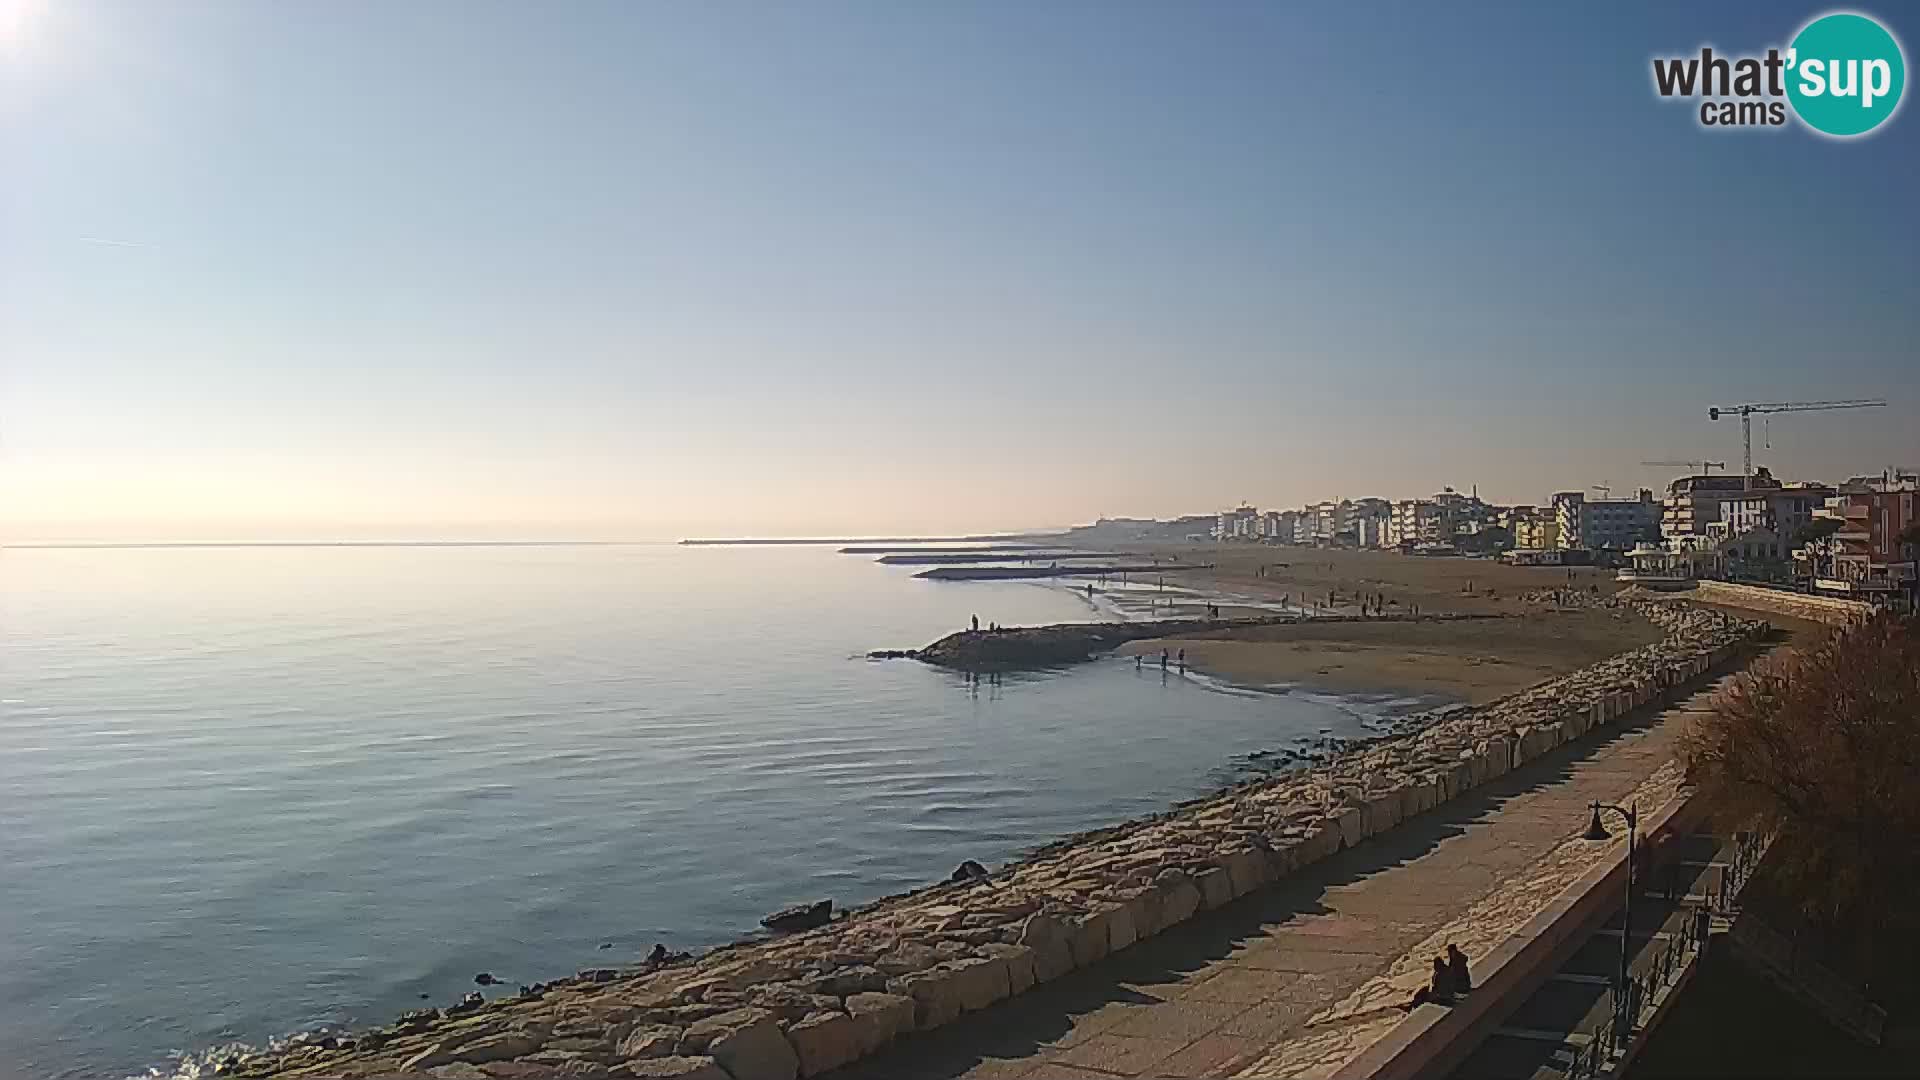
(1821, 746)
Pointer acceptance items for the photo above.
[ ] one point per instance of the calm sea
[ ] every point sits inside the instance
(247, 791)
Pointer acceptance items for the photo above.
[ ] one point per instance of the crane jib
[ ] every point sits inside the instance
(1746, 413)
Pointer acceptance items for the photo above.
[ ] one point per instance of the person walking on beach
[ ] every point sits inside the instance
(1183, 661)
(1163, 659)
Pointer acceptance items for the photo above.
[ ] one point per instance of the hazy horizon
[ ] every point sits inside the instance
(636, 272)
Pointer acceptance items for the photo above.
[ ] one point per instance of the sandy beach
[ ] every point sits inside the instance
(1473, 660)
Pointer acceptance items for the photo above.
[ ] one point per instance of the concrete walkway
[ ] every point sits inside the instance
(1296, 980)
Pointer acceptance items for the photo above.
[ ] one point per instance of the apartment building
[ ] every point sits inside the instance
(1693, 502)
(1784, 510)
(1618, 524)
(1240, 523)
(1414, 521)
(1873, 556)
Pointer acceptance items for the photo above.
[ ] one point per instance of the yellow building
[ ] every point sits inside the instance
(1539, 532)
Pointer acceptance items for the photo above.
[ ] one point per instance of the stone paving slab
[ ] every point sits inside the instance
(1294, 980)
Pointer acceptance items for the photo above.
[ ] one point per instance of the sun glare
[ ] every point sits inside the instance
(17, 19)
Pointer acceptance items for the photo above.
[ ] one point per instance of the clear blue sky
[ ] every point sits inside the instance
(653, 269)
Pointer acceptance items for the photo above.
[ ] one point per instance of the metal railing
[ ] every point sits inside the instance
(1652, 973)
(1748, 849)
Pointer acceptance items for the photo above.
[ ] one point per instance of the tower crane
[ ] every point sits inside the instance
(1745, 412)
(1706, 467)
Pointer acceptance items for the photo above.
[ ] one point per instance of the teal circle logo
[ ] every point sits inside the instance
(1845, 73)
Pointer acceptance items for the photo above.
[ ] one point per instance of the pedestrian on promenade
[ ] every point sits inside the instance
(976, 624)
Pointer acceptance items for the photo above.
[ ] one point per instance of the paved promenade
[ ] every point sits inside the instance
(1295, 980)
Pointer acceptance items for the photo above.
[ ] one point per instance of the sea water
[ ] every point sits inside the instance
(252, 790)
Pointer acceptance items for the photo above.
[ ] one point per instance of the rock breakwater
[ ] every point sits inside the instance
(1008, 573)
(1070, 643)
(805, 1004)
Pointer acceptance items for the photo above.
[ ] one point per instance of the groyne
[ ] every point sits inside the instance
(1002, 573)
(804, 1004)
(1060, 644)
(943, 558)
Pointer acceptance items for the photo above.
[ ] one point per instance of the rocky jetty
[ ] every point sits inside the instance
(1010, 573)
(947, 558)
(803, 1004)
(1059, 644)
(1062, 643)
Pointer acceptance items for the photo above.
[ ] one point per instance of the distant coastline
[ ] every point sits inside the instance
(977, 538)
(126, 545)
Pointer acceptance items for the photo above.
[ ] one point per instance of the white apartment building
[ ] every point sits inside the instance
(1240, 523)
(1278, 525)
(1605, 523)
(1693, 502)
(1414, 521)
(1784, 510)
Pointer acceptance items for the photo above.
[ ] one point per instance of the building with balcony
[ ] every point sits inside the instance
(1327, 520)
(1277, 525)
(1873, 555)
(1615, 524)
(1693, 502)
(1240, 523)
(1534, 530)
(1785, 510)
(1414, 521)
(1368, 521)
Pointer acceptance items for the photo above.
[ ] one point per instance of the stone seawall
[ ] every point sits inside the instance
(1823, 609)
(805, 1004)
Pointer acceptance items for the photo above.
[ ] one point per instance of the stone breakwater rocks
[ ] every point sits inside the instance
(801, 1005)
(1071, 643)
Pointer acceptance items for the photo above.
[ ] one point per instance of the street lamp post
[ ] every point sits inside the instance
(1597, 830)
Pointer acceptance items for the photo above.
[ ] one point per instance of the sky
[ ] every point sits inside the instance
(364, 270)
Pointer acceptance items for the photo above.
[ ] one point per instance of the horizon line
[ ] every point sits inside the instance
(73, 544)
(65, 545)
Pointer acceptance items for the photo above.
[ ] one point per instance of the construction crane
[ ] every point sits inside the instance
(1706, 467)
(1746, 412)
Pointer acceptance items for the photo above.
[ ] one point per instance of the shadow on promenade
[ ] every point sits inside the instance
(1038, 1020)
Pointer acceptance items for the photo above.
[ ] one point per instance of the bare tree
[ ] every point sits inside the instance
(1821, 746)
